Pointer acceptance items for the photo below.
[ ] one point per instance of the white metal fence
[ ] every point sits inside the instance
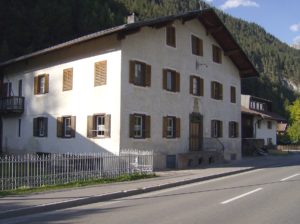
(32, 170)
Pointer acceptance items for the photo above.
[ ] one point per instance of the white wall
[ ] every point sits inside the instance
(263, 132)
(149, 46)
(83, 100)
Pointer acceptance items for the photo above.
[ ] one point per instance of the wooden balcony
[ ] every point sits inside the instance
(11, 105)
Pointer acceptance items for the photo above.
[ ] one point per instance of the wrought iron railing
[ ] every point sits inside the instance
(11, 104)
(213, 144)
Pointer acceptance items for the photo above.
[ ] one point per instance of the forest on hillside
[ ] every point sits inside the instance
(30, 25)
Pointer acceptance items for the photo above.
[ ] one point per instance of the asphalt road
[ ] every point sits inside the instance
(263, 196)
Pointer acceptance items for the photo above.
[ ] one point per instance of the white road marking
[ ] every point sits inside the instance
(290, 177)
(240, 196)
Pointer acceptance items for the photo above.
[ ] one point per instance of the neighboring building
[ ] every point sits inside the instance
(282, 128)
(258, 120)
(164, 84)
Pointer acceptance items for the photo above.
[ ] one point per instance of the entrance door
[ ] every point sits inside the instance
(196, 132)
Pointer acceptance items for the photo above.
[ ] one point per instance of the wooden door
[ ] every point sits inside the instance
(196, 132)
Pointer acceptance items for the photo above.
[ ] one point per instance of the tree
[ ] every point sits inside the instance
(294, 130)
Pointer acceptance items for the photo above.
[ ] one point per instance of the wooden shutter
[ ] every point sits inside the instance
(46, 83)
(45, 126)
(91, 127)
(131, 71)
(165, 78)
(73, 126)
(35, 127)
(200, 47)
(36, 84)
(171, 36)
(201, 87)
(177, 126)
(131, 125)
(165, 126)
(177, 82)
(148, 76)
(220, 134)
(147, 127)
(67, 79)
(220, 91)
(107, 120)
(191, 84)
(100, 73)
(59, 127)
(212, 88)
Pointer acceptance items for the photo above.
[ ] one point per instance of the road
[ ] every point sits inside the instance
(263, 196)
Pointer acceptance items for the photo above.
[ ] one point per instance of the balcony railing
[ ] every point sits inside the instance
(11, 105)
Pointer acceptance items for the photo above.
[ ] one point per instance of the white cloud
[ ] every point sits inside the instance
(296, 40)
(295, 27)
(237, 3)
(209, 1)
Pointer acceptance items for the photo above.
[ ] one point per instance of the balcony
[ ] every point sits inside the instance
(12, 105)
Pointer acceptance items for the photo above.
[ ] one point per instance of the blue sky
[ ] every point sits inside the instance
(280, 18)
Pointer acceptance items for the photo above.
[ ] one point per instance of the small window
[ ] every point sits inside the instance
(67, 79)
(233, 129)
(232, 94)
(196, 86)
(216, 90)
(171, 80)
(259, 124)
(98, 126)
(41, 84)
(269, 124)
(139, 126)
(171, 127)
(66, 127)
(216, 129)
(100, 73)
(171, 36)
(40, 127)
(197, 46)
(217, 54)
(140, 73)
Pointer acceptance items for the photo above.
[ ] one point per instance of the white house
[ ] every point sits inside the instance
(170, 84)
(258, 120)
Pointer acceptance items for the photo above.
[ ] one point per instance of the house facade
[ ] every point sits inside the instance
(163, 84)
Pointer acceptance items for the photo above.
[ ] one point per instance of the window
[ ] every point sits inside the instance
(233, 129)
(98, 126)
(171, 127)
(67, 79)
(216, 129)
(216, 90)
(66, 127)
(197, 46)
(41, 84)
(269, 124)
(232, 94)
(7, 89)
(100, 73)
(258, 124)
(196, 86)
(171, 80)
(40, 127)
(171, 36)
(140, 73)
(139, 126)
(217, 54)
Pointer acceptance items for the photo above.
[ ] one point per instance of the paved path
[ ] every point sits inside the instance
(54, 200)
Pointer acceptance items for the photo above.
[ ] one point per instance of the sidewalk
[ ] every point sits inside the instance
(13, 206)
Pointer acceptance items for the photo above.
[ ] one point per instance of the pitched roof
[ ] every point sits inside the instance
(263, 115)
(208, 17)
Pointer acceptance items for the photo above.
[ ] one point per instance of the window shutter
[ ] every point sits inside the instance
(90, 127)
(131, 71)
(67, 79)
(165, 79)
(194, 45)
(36, 81)
(220, 91)
(191, 84)
(201, 86)
(148, 76)
(177, 82)
(131, 125)
(171, 36)
(177, 127)
(35, 127)
(200, 47)
(46, 126)
(212, 128)
(107, 121)
(147, 127)
(165, 126)
(212, 90)
(220, 135)
(100, 73)
(59, 127)
(229, 129)
(46, 83)
(73, 126)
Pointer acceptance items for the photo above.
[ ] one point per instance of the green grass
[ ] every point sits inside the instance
(122, 178)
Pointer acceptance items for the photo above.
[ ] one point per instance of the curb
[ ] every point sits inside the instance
(111, 196)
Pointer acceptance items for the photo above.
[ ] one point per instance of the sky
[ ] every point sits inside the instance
(277, 17)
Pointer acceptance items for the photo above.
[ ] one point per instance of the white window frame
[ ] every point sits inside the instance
(100, 125)
(41, 84)
(170, 127)
(67, 126)
(138, 74)
(138, 126)
(170, 80)
(196, 84)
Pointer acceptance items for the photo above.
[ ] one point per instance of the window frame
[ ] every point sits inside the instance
(144, 126)
(233, 94)
(144, 73)
(216, 129)
(233, 131)
(171, 80)
(269, 124)
(216, 90)
(197, 45)
(199, 85)
(41, 84)
(171, 36)
(216, 54)
(63, 127)
(40, 127)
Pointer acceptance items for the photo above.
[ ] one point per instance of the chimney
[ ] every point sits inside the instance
(132, 18)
